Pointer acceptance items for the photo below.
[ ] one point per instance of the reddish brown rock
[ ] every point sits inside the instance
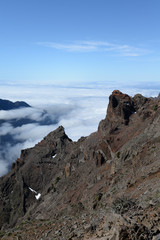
(105, 186)
(120, 108)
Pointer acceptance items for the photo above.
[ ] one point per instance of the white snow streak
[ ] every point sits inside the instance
(32, 190)
(38, 194)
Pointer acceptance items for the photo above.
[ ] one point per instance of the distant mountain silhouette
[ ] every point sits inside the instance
(8, 105)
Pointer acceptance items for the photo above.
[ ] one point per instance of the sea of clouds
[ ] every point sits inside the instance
(79, 109)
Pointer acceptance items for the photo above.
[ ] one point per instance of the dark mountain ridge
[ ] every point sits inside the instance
(104, 186)
(8, 105)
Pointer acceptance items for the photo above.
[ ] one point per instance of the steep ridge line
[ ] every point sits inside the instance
(104, 186)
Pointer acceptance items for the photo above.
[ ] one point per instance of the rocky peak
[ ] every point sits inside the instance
(58, 135)
(105, 186)
(158, 96)
(139, 101)
(120, 107)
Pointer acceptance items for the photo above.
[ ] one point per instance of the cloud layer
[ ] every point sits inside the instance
(79, 109)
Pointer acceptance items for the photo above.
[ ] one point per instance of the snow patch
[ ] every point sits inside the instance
(38, 196)
(32, 190)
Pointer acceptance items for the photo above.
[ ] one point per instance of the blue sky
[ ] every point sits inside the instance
(50, 41)
(65, 57)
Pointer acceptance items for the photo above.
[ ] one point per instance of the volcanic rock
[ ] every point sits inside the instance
(120, 108)
(104, 186)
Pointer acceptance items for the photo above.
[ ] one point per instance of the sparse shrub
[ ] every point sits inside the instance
(155, 107)
(98, 196)
(97, 199)
(156, 195)
(118, 154)
(52, 187)
(114, 190)
(2, 233)
(57, 180)
(9, 234)
(122, 205)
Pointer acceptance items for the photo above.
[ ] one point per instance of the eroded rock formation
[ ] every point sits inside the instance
(104, 186)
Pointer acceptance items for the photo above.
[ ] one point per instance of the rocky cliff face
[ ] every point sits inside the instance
(105, 186)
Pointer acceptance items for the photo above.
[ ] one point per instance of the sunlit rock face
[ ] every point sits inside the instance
(120, 108)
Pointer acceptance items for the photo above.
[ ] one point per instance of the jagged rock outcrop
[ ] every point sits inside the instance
(120, 108)
(104, 186)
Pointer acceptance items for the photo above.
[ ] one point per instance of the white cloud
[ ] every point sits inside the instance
(3, 167)
(78, 109)
(74, 47)
(20, 113)
(6, 128)
(32, 132)
(92, 46)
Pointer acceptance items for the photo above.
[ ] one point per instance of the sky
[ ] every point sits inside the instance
(65, 57)
(61, 41)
